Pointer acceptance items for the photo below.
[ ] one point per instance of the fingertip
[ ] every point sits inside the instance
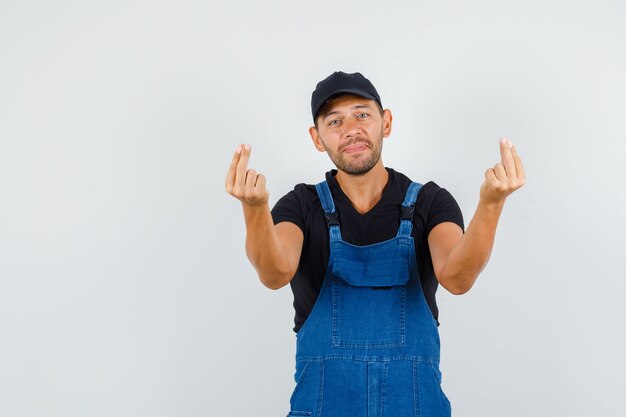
(239, 148)
(505, 143)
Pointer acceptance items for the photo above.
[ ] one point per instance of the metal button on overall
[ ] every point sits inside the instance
(370, 346)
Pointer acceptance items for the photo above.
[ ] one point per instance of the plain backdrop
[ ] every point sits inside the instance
(124, 285)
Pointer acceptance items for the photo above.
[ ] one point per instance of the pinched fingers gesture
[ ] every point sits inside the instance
(245, 184)
(506, 176)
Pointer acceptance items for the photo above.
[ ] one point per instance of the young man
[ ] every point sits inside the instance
(364, 252)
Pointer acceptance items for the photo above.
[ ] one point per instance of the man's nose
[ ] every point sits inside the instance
(350, 127)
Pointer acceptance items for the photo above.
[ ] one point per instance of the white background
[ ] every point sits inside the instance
(124, 286)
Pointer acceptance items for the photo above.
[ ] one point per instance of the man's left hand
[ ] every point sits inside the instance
(505, 177)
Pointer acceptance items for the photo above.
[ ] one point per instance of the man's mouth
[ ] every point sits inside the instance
(356, 147)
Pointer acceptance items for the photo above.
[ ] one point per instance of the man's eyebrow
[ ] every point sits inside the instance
(355, 107)
(331, 113)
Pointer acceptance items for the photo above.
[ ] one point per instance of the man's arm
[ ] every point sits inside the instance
(458, 258)
(273, 250)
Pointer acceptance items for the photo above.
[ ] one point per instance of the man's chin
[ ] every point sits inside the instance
(357, 171)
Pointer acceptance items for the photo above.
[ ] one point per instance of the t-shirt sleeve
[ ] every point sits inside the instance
(289, 208)
(444, 208)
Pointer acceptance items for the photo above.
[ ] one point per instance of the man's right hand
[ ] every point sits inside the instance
(245, 184)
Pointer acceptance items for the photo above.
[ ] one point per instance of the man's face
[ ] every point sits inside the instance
(351, 130)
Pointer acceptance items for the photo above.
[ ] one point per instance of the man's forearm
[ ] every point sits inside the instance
(264, 249)
(263, 245)
(471, 253)
(458, 262)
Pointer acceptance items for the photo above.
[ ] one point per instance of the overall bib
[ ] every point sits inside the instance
(370, 346)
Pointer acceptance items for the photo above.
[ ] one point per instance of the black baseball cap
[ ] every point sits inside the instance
(342, 83)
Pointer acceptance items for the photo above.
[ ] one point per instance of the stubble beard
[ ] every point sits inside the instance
(357, 167)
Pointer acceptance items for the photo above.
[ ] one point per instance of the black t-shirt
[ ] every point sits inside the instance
(302, 207)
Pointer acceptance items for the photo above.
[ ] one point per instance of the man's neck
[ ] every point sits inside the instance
(364, 191)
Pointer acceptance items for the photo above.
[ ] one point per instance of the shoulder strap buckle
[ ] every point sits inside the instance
(332, 219)
(406, 212)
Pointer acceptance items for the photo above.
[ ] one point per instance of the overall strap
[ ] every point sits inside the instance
(408, 208)
(332, 217)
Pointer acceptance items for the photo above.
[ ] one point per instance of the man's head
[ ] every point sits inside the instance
(350, 123)
(339, 83)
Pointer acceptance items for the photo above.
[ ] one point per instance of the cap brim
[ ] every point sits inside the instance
(359, 93)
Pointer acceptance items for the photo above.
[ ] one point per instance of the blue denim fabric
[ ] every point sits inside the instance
(370, 346)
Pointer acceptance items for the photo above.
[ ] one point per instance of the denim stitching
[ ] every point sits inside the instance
(415, 390)
(321, 389)
(383, 392)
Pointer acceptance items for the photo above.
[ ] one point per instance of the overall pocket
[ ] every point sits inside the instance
(368, 317)
(432, 402)
(369, 294)
(306, 395)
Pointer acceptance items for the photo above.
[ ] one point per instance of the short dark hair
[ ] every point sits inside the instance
(322, 109)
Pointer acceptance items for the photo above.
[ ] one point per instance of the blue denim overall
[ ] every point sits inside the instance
(370, 346)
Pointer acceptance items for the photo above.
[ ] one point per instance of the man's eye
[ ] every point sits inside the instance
(363, 115)
(333, 122)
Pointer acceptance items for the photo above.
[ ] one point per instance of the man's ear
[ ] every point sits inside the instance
(387, 119)
(317, 141)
